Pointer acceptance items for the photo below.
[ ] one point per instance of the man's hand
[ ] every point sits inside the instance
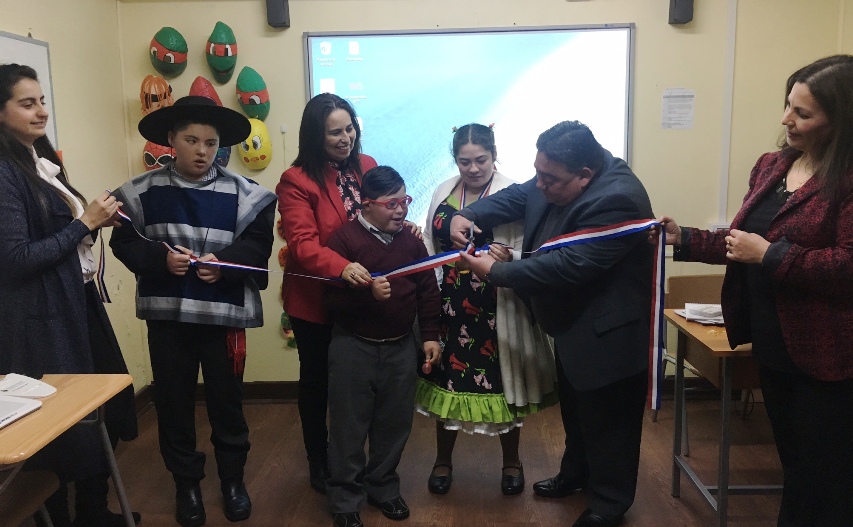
(178, 263)
(460, 229)
(381, 288)
(480, 265)
(432, 350)
(208, 273)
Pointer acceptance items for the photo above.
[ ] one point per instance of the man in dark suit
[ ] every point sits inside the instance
(593, 298)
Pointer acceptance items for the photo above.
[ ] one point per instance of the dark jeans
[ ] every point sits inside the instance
(603, 430)
(813, 427)
(312, 344)
(177, 349)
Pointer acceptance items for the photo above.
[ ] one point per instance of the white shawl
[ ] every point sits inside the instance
(525, 352)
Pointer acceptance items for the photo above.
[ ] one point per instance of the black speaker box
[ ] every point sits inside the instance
(278, 13)
(680, 11)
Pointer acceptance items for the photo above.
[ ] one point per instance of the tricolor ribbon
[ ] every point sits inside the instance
(656, 333)
(193, 257)
(101, 283)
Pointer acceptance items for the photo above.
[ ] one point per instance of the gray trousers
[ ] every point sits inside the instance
(371, 398)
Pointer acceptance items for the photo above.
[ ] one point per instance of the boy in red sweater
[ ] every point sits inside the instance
(373, 355)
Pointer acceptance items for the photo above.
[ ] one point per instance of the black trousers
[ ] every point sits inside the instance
(177, 349)
(371, 400)
(312, 344)
(603, 430)
(813, 426)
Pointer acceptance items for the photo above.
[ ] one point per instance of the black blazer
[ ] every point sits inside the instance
(602, 291)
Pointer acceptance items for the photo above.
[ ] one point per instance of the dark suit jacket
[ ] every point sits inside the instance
(601, 290)
(811, 263)
(43, 309)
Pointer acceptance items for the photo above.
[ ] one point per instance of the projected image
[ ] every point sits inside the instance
(410, 90)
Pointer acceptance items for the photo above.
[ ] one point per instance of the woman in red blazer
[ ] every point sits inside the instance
(318, 194)
(789, 289)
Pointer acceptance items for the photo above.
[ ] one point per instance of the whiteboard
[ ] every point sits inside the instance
(35, 54)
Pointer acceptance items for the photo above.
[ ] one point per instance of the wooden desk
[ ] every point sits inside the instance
(707, 349)
(77, 396)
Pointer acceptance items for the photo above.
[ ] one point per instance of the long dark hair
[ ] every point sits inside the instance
(830, 81)
(312, 136)
(19, 155)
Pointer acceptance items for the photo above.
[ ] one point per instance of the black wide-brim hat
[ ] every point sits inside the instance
(233, 127)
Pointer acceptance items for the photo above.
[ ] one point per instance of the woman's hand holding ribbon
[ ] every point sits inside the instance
(101, 212)
(672, 230)
(356, 275)
(500, 252)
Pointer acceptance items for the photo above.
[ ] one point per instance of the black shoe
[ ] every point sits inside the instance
(104, 519)
(512, 484)
(235, 500)
(557, 487)
(347, 519)
(189, 509)
(440, 484)
(318, 473)
(591, 519)
(393, 509)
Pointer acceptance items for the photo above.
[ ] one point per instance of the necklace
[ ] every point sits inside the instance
(802, 171)
(482, 193)
(211, 174)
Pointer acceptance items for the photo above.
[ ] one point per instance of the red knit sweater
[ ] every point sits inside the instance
(416, 294)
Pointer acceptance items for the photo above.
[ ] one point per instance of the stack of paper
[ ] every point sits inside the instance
(708, 314)
(18, 396)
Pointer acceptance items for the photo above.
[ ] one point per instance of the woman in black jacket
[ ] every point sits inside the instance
(51, 316)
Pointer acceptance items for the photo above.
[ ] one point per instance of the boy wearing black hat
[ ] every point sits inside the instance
(196, 313)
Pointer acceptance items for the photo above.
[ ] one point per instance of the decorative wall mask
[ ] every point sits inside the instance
(221, 52)
(256, 150)
(156, 156)
(252, 94)
(203, 87)
(168, 52)
(223, 156)
(154, 94)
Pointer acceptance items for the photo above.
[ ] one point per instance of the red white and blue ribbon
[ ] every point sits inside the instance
(193, 257)
(656, 333)
(101, 283)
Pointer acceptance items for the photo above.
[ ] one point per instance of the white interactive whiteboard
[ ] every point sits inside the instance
(410, 88)
(35, 54)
